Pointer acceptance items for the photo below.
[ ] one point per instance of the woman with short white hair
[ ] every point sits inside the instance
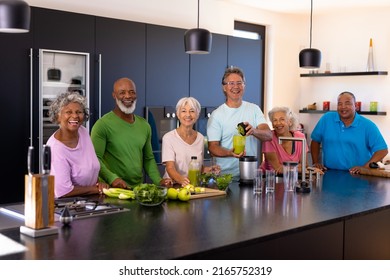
(180, 144)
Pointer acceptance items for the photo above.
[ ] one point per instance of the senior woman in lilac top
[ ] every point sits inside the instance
(74, 162)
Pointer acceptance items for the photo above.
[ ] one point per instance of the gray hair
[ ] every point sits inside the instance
(290, 116)
(190, 101)
(65, 99)
(233, 70)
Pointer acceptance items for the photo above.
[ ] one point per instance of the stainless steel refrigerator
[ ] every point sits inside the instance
(59, 72)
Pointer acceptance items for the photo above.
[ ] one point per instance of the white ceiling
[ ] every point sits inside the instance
(105, 7)
(300, 6)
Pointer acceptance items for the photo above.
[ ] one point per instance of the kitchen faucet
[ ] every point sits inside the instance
(304, 185)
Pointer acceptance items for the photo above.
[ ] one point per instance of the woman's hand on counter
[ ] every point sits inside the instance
(100, 186)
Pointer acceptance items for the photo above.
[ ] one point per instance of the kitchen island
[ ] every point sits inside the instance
(343, 217)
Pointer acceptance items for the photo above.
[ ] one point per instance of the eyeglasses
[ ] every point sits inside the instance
(231, 83)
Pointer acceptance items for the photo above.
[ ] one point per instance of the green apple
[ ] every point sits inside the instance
(172, 193)
(190, 187)
(184, 194)
(200, 190)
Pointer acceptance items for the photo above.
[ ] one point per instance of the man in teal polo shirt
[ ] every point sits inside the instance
(349, 140)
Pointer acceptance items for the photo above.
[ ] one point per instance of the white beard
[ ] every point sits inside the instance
(125, 109)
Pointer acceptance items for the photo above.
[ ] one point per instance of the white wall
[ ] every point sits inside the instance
(342, 36)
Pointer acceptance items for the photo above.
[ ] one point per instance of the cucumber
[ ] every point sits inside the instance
(116, 192)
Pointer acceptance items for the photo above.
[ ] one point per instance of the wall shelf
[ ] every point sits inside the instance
(360, 113)
(373, 73)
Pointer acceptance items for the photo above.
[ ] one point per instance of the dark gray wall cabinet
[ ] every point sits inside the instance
(206, 73)
(167, 66)
(120, 51)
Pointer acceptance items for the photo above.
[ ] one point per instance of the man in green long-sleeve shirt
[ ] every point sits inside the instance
(122, 142)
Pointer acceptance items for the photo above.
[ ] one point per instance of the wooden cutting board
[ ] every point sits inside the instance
(374, 172)
(209, 193)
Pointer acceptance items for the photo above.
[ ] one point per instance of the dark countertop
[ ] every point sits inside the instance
(190, 229)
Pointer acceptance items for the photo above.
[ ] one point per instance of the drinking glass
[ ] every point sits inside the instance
(290, 175)
(258, 182)
(238, 144)
(270, 181)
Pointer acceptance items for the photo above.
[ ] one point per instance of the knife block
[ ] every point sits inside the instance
(39, 201)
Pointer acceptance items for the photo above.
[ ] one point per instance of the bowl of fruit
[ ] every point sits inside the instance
(150, 194)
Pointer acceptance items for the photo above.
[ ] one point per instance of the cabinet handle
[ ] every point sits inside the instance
(100, 85)
(31, 97)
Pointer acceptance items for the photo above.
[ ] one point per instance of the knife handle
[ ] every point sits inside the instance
(46, 159)
(30, 160)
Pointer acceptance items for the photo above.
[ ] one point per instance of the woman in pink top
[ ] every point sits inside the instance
(74, 162)
(285, 124)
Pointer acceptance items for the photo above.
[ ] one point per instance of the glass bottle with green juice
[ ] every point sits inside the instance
(194, 170)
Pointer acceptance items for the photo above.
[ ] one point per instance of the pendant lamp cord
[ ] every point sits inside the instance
(311, 20)
(198, 13)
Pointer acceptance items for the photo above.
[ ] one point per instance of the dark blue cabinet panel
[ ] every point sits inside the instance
(121, 48)
(167, 66)
(64, 31)
(15, 100)
(206, 72)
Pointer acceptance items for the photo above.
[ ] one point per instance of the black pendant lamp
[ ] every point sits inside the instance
(14, 16)
(310, 58)
(197, 40)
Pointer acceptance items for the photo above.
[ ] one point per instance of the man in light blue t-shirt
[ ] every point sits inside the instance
(223, 121)
(349, 140)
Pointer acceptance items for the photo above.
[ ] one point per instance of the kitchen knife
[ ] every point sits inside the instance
(46, 165)
(46, 160)
(30, 172)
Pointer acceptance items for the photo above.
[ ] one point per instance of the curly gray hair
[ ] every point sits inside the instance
(65, 99)
(290, 116)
